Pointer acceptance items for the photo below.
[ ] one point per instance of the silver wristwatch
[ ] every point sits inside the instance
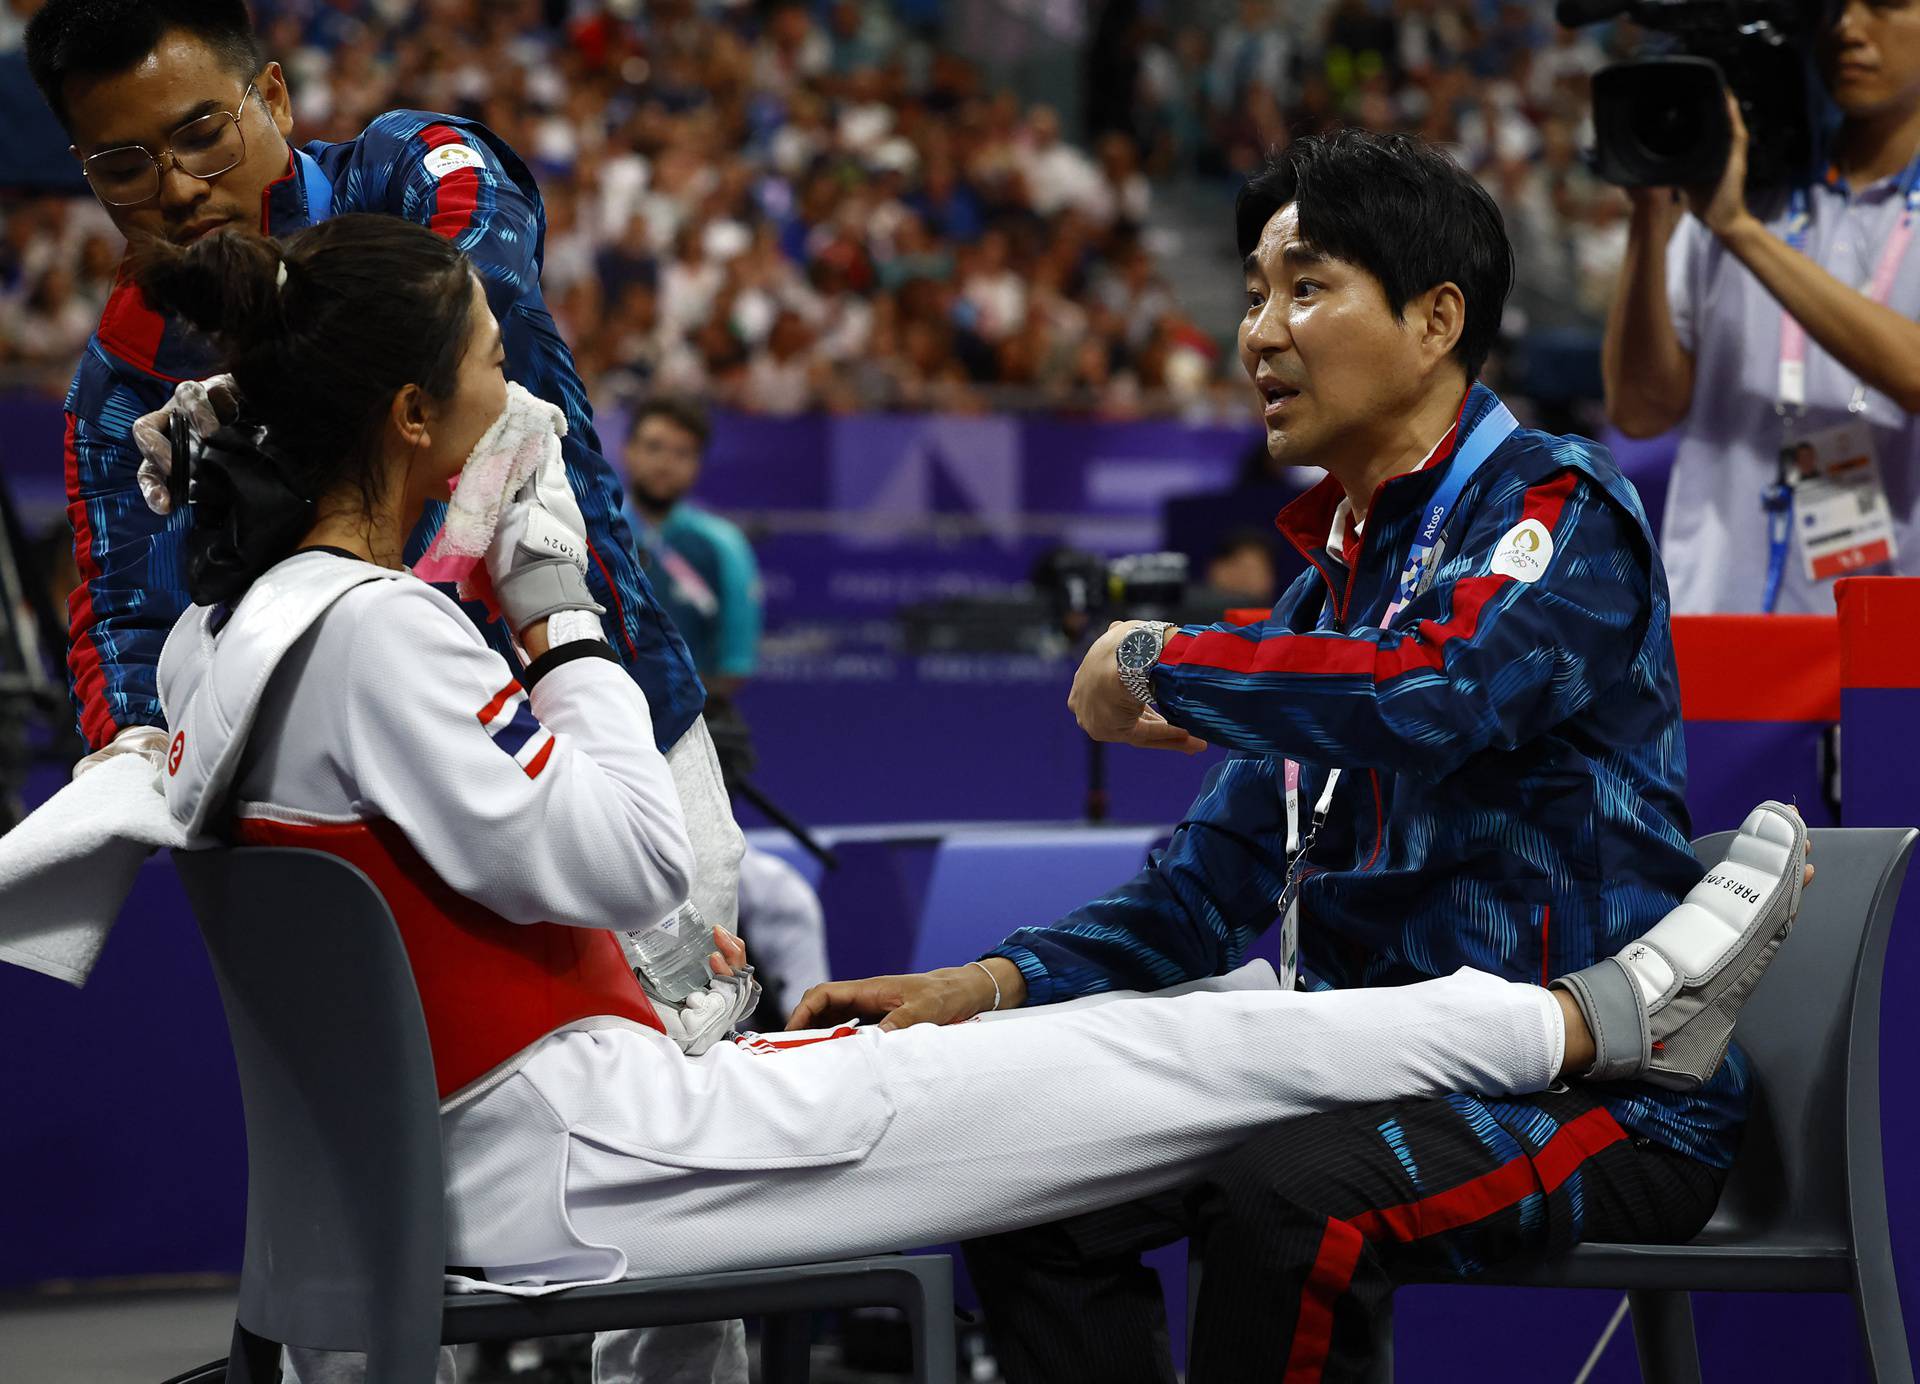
(1138, 655)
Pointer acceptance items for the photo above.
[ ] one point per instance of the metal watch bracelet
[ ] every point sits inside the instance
(1138, 678)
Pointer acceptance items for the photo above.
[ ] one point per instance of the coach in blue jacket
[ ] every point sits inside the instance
(182, 128)
(1466, 718)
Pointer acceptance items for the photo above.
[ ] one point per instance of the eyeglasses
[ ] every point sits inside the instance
(202, 148)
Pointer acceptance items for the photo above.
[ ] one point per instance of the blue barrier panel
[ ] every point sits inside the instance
(122, 1147)
(885, 738)
(1761, 694)
(985, 886)
(1880, 710)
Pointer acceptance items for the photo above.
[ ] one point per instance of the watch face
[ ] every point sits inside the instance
(1139, 651)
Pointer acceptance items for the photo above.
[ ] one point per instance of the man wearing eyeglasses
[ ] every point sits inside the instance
(182, 129)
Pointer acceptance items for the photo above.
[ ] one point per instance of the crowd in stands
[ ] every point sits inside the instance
(802, 206)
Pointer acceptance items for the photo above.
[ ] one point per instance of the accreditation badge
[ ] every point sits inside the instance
(1842, 522)
(1289, 968)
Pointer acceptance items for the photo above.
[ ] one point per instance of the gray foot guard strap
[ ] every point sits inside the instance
(1663, 1009)
(1617, 1016)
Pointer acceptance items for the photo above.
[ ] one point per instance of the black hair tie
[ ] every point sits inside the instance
(247, 509)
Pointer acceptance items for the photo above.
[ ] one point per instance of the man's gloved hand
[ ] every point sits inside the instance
(538, 558)
(204, 406)
(707, 1016)
(150, 742)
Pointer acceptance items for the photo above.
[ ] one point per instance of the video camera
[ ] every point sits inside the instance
(1139, 586)
(1660, 119)
(1066, 603)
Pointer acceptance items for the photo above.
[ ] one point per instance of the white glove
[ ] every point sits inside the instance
(538, 557)
(207, 403)
(150, 742)
(706, 1016)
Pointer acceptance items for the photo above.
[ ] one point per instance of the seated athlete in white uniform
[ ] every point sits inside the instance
(320, 695)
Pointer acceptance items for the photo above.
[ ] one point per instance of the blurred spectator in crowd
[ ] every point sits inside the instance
(1241, 570)
(700, 564)
(820, 206)
(14, 15)
(54, 322)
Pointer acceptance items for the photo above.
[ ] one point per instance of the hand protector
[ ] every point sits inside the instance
(202, 406)
(149, 742)
(538, 557)
(509, 452)
(707, 1016)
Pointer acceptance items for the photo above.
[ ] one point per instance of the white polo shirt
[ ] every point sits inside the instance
(1714, 537)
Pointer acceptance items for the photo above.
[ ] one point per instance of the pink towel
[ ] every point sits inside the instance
(527, 431)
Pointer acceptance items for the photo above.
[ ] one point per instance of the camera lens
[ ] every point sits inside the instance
(1664, 130)
(1660, 122)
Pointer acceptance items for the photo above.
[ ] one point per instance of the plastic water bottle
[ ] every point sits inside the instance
(671, 956)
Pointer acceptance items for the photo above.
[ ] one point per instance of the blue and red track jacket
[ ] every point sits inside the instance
(132, 561)
(1513, 767)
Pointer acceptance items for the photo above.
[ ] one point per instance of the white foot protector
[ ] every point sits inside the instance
(1662, 1010)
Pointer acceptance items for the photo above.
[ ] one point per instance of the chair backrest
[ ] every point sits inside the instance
(986, 884)
(1810, 1162)
(346, 1228)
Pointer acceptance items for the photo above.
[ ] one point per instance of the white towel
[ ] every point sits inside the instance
(505, 458)
(67, 869)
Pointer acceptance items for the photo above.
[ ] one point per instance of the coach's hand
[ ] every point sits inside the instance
(949, 996)
(1105, 709)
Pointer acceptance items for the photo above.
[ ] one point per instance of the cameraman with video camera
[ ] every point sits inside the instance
(1782, 321)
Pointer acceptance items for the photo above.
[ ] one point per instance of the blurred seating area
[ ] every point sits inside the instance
(825, 206)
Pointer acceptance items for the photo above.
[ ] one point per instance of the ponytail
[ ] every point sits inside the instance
(319, 331)
(226, 284)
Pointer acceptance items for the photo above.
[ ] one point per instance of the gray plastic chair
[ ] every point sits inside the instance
(1805, 1207)
(346, 1231)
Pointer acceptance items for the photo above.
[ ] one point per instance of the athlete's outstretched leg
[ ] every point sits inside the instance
(883, 1141)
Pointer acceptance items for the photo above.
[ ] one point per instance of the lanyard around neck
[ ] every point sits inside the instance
(1494, 427)
(1793, 337)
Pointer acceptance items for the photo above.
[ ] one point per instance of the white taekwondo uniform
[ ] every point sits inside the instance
(357, 710)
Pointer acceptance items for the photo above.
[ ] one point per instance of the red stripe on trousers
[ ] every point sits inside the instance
(785, 1044)
(83, 657)
(1483, 1196)
(459, 190)
(1308, 653)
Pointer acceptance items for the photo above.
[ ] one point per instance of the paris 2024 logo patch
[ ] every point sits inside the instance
(1524, 552)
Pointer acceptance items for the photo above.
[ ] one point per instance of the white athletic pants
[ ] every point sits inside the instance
(611, 1154)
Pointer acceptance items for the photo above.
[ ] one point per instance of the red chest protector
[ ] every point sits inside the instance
(489, 988)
